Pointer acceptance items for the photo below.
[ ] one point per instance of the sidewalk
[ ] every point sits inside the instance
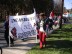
(20, 47)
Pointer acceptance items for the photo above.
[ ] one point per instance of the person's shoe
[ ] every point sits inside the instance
(12, 44)
(41, 46)
(44, 45)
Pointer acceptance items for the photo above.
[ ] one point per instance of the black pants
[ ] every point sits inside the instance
(65, 19)
(51, 23)
(7, 38)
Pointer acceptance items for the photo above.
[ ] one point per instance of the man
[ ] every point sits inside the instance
(6, 25)
(66, 17)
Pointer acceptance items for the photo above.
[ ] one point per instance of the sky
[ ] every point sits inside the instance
(68, 4)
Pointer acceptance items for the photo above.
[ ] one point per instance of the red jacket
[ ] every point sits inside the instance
(52, 14)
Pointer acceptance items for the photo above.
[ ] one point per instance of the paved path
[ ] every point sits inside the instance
(21, 47)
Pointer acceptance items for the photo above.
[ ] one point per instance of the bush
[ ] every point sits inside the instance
(2, 20)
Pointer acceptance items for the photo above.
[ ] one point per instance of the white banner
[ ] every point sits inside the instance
(22, 26)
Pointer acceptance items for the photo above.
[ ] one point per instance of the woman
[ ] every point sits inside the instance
(42, 33)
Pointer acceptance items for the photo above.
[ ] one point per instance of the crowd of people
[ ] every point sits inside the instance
(43, 23)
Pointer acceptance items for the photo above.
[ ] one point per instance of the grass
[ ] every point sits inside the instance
(59, 42)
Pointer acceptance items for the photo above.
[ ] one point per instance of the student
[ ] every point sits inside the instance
(6, 25)
(51, 17)
(66, 16)
(42, 29)
(37, 23)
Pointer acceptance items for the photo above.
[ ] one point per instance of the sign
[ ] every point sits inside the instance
(22, 26)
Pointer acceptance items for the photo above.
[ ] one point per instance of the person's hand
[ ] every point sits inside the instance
(47, 25)
(45, 33)
(34, 24)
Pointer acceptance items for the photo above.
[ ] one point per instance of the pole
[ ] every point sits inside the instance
(9, 41)
(9, 31)
(36, 36)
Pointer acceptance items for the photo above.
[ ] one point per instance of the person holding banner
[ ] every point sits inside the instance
(6, 35)
(51, 17)
(42, 30)
(37, 23)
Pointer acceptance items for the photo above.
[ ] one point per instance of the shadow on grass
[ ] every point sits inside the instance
(62, 33)
(59, 44)
(62, 30)
(54, 46)
(67, 30)
(59, 37)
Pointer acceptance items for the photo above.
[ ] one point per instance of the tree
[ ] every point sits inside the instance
(10, 7)
(43, 6)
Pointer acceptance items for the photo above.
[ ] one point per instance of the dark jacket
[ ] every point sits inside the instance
(6, 25)
(46, 22)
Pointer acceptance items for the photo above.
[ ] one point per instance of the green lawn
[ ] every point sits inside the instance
(59, 42)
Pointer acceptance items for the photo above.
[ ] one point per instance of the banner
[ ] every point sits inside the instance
(22, 26)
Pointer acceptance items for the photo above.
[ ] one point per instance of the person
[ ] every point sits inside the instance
(52, 15)
(42, 29)
(51, 18)
(66, 16)
(37, 23)
(6, 35)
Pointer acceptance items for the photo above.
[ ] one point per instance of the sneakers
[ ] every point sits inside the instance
(12, 45)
